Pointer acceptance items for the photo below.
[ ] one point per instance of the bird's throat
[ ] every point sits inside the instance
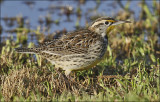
(109, 29)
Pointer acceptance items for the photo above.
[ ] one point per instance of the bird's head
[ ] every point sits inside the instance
(105, 25)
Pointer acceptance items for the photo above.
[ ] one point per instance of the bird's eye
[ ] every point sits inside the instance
(106, 22)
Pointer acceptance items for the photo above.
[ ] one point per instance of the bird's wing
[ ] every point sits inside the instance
(77, 42)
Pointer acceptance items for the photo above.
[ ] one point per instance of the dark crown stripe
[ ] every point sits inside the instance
(102, 18)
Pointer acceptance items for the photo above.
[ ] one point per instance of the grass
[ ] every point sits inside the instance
(129, 73)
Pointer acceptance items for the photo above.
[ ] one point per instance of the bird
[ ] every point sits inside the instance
(77, 50)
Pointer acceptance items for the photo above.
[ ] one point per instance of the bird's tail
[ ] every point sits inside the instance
(26, 50)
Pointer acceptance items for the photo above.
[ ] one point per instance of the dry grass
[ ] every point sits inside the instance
(25, 81)
(129, 73)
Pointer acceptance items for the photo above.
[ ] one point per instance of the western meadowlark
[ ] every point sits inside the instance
(78, 50)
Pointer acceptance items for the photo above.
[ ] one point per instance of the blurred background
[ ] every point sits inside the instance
(56, 17)
(133, 51)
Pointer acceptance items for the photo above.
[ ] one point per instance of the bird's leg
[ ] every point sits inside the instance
(67, 72)
(69, 77)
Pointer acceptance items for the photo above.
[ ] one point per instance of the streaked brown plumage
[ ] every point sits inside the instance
(77, 50)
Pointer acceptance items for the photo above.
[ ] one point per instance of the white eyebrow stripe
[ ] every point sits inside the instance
(96, 23)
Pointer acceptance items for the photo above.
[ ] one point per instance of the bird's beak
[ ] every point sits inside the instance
(120, 22)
